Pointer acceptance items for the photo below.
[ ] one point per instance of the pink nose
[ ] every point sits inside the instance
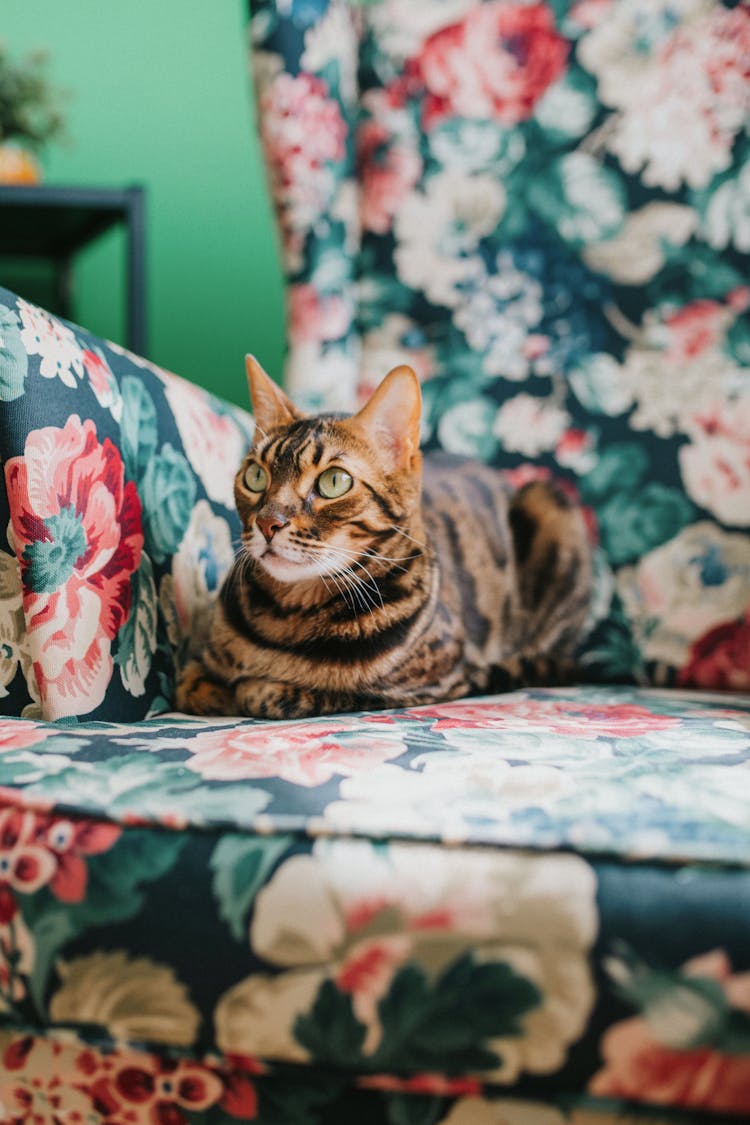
(271, 523)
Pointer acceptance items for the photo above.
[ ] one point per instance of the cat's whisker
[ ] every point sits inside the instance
(370, 584)
(400, 531)
(357, 588)
(344, 591)
(358, 556)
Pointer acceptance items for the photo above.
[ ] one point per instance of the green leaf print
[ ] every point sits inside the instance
(425, 1022)
(112, 894)
(579, 197)
(330, 1031)
(14, 362)
(633, 523)
(138, 427)
(168, 493)
(241, 865)
(137, 638)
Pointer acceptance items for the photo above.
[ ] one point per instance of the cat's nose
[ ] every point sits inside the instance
(269, 523)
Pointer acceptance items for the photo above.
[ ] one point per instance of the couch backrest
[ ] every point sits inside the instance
(117, 519)
(544, 207)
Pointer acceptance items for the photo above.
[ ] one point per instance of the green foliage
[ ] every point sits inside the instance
(29, 103)
(14, 360)
(138, 429)
(241, 865)
(137, 638)
(427, 1024)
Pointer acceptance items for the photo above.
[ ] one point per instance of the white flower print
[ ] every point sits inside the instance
(354, 914)
(438, 231)
(48, 337)
(682, 589)
(529, 425)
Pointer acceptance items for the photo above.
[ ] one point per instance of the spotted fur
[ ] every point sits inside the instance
(428, 580)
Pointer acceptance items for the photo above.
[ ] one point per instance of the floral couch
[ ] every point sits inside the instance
(531, 909)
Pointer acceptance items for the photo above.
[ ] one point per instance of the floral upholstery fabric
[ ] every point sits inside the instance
(530, 909)
(218, 920)
(544, 207)
(117, 506)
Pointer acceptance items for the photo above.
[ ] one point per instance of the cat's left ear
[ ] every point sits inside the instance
(271, 407)
(390, 420)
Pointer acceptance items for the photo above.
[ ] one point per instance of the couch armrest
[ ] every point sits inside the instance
(119, 514)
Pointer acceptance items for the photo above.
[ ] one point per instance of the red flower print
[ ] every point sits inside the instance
(720, 658)
(26, 864)
(146, 1090)
(38, 1086)
(435, 1084)
(77, 526)
(638, 1066)
(119, 1087)
(496, 63)
(563, 717)
(69, 843)
(37, 851)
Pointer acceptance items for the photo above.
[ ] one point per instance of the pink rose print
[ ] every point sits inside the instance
(77, 526)
(720, 659)
(715, 464)
(387, 171)
(496, 63)
(694, 329)
(101, 380)
(316, 317)
(618, 720)
(306, 754)
(303, 134)
(638, 1066)
(17, 734)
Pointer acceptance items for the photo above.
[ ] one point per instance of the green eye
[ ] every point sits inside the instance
(256, 478)
(334, 483)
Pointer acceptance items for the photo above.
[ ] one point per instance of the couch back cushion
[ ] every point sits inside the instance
(544, 208)
(117, 519)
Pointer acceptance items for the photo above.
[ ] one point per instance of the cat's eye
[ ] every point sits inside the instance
(256, 477)
(333, 483)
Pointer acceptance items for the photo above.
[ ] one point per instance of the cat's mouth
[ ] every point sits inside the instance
(287, 565)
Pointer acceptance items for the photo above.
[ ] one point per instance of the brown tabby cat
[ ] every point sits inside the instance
(359, 588)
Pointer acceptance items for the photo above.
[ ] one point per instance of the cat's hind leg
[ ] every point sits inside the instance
(553, 570)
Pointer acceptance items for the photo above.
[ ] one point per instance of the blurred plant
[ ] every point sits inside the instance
(29, 104)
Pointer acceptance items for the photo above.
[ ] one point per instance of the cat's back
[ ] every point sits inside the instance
(465, 500)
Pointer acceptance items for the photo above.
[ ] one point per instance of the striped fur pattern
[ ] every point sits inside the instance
(424, 580)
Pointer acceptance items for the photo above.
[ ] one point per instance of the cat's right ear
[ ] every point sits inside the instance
(271, 407)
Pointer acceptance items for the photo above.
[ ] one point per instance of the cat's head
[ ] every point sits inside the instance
(316, 494)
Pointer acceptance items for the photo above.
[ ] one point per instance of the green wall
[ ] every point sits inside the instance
(160, 95)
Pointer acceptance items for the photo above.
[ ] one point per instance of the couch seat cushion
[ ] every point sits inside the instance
(632, 773)
(539, 884)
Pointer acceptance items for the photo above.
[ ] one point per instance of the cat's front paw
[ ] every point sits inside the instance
(269, 699)
(199, 695)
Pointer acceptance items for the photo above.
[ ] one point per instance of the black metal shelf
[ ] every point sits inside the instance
(55, 223)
